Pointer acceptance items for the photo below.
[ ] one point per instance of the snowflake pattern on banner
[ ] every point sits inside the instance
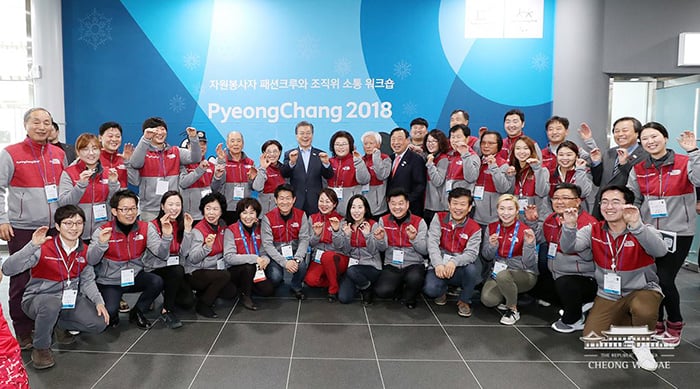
(95, 29)
(409, 108)
(539, 62)
(342, 66)
(177, 104)
(402, 69)
(191, 61)
(307, 47)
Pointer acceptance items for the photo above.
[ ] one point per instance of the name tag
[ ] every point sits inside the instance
(611, 284)
(552, 250)
(127, 277)
(205, 192)
(51, 193)
(498, 267)
(523, 203)
(397, 258)
(220, 265)
(365, 188)
(287, 251)
(658, 208)
(173, 260)
(669, 238)
(478, 192)
(68, 298)
(238, 192)
(162, 186)
(317, 256)
(448, 185)
(99, 212)
(259, 275)
(353, 262)
(338, 192)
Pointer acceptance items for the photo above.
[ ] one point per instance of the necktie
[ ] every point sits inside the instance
(396, 165)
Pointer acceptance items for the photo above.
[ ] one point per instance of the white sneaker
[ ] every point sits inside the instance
(502, 307)
(543, 303)
(564, 328)
(510, 317)
(586, 307)
(645, 359)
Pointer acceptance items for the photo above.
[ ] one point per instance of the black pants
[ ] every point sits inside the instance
(175, 289)
(150, 285)
(667, 268)
(210, 284)
(574, 291)
(242, 279)
(392, 279)
(544, 288)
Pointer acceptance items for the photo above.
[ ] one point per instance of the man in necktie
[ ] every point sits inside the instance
(408, 170)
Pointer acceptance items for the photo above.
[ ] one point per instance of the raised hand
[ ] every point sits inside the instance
(188, 222)
(687, 141)
(318, 228)
(532, 161)
(335, 223)
(128, 151)
(511, 171)
(112, 175)
(149, 133)
(596, 155)
(209, 241)
(490, 159)
(429, 158)
(324, 158)
(379, 233)
(365, 228)
(630, 214)
(580, 162)
(104, 235)
(529, 236)
(531, 213)
(493, 240)
(570, 217)
(166, 226)
(585, 131)
(622, 155)
(219, 170)
(85, 175)
(252, 173)
(356, 154)
(411, 232)
(264, 162)
(191, 132)
(39, 236)
(220, 153)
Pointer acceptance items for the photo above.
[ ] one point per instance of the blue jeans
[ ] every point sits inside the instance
(465, 276)
(149, 284)
(275, 273)
(356, 277)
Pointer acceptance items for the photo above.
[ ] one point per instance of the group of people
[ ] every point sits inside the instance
(446, 213)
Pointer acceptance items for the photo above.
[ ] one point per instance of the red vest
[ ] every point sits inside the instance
(455, 169)
(551, 228)
(285, 231)
(327, 234)
(485, 179)
(124, 248)
(549, 159)
(218, 246)
(632, 256)
(97, 190)
(454, 239)
(274, 178)
(116, 161)
(241, 247)
(174, 244)
(508, 144)
(525, 185)
(396, 234)
(237, 171)
(205, 180)
(50, 265)
(343, 172)
(373, 181)
(670, 181)
(357, 239)
(35, 165)
(555, 179)
(505, 238)
(165, 163)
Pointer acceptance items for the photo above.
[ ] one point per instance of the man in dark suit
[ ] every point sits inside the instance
(613, 166)
(407, 171)
(305, 166)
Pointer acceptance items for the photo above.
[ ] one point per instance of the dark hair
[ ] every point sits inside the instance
(330, 193)
(302, 124)
(397, 192)
(419, 121)
(656, 126)
(399, 129)
(244, 203)
(210, 198)
(518, 112)
(107, 125)
(180, 219)
(122, 194)
(284, 188)
(55, 126)
(626, 192)
(635, 123)
(568, 186)
(460, 192)
(564, 122)
(499, 138)
(342, 134)
(514, 160)
(67, 211)
(443, 142)
(464, 113)
(153, 122)
(271, 142)
(569, 145)
(464, 128)
(368, 211)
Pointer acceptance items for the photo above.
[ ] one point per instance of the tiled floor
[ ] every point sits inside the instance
(314, 344)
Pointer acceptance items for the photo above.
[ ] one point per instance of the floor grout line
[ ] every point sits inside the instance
(546, 356)
(221, 330)
(453, 343)
(294, 340)
(119, 359)
(374, 347)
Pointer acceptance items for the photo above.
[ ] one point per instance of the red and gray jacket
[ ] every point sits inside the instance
(199, 255)
(570, 262)
(242, 248)
(379, 168)
(396, 238)
(511, 248)
(195, 182)
(236, 175)
(293, 230)
(495, 182)
(460, 241)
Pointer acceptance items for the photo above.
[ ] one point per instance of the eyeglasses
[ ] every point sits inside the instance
(71, 224)
(127, 210)
(566, 198)
(342, 144)
(613, 203)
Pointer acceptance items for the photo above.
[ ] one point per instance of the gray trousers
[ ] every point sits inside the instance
(46, 312)
(506, 286)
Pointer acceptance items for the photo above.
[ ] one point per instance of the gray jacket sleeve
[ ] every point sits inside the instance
(24, 259)
(361, 172)
(189, 178)
(194, 154)
(138, 157)
(650, 239)
(420, 243)
(694, 167)
(96, 250)
(382, 167)
(541, 180)
(584, 181)
(573, 240)
(633, 185)
(487, 250)
(259, 180)
(500, 180)
(471, 164)
(88, 287)
(156, 244)
(437, 172)
(268, 242)
(7, 170)
(434, 234)
(471, 251)
(198, 250)
(304, 236)
(69, 193)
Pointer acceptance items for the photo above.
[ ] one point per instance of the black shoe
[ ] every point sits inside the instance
(137, 317)
(170, 320)
(299, 294)
(332, 297)
(248, 302)
(367, 296)
(205, 310)
(411, 305)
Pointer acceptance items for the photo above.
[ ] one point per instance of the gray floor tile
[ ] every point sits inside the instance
(113, 339)
(269, 310)
(333, 341)
(493, 343)
(393, 312)
(336, 374)
(70, 370)
(590, 375)
(521, 375)
(193, 338)
(428, 343)
(404, 374)
(152, 371)
(321, 311)
(481, 316)
(224, 372)
(254, 339)
(557, 346)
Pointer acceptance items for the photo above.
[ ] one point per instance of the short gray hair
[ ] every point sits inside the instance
(31, 110)
(375, 134)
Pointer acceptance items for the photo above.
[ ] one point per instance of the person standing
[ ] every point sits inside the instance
(236, 182)
(379, 167)
(407, 171)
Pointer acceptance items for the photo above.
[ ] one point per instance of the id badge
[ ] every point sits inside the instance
(161, 187)
(611, 284)
(68, 298)
(127, 277)
(205, 192)
(552, 250)
(51, 193)
(353, 262)
(669, 238)
(478, 192)
(259, 275)
(238, 192)
(498, 267)
(287, 251)
(448, 185)
(523, 203)
(338, 192)
(99, 212)
(173, 260)
(658, 208)
(220, 265)
(317, 256)
(365, 188)
(397, 258)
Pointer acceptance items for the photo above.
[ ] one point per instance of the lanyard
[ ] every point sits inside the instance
(513, 239)
(662, 187)
(63, 259)
(615, 253)
(562, 177)
(245, 241)
(42, 172)
(522, 182)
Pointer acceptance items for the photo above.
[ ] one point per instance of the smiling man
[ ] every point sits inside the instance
(407, 171)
